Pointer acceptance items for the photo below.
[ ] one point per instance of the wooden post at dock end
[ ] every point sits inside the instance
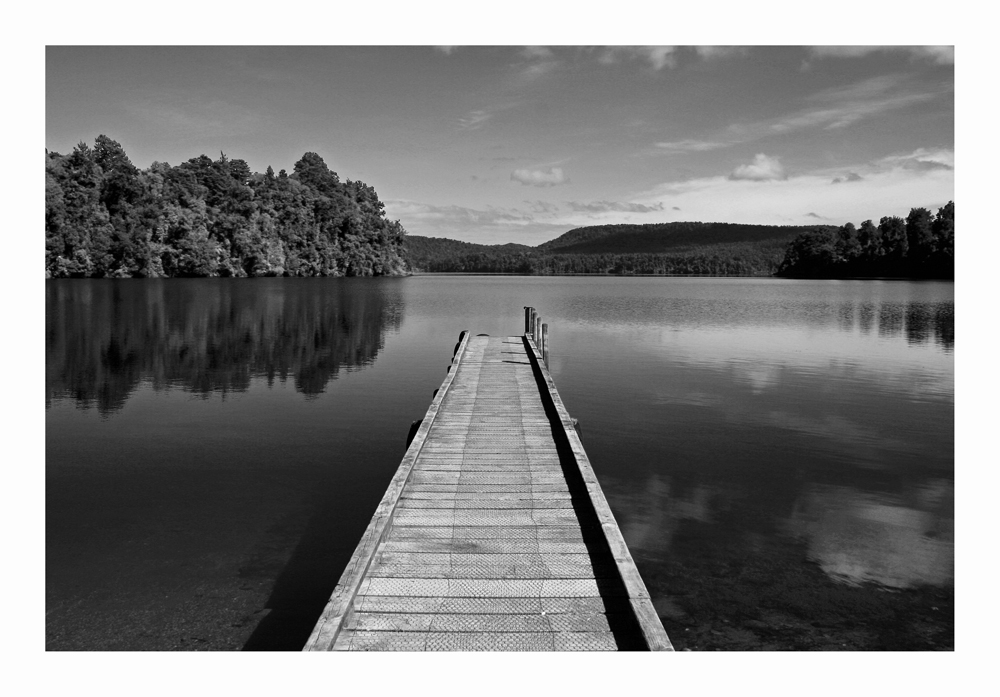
(537, 336)
(545, 344)
(531, 323)
(527, 319)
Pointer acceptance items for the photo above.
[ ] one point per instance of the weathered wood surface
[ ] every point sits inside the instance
(492, 535)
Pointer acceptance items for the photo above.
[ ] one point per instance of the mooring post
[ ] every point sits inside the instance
(414, 427)
(538, 329)
(531, 327)
(527, 319)
(545, 344)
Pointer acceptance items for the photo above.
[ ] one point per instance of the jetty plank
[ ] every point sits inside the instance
(493, 535)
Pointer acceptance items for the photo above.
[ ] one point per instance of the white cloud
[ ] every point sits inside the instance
(660, 56)
(549, 176)
(446, 50)
(891, 186)
(763, 168)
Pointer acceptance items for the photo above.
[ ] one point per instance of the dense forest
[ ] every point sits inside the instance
(685, 248)
(919, 246)
(106, 218)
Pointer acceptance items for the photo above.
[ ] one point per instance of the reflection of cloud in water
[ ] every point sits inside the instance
(757, 356)
(688, 398)
(759, 377)
(836, 433)
(653, 514)
(857, 537)
(864, 442)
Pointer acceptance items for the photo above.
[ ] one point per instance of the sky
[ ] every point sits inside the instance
(522, 143)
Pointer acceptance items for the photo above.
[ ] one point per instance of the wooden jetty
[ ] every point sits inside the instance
(494, 534)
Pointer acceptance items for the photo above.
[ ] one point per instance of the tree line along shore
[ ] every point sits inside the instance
(919, 246)
(105, 218)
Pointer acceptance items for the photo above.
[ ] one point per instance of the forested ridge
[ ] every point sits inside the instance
(104, 217)
(920, 246)
(685, 248)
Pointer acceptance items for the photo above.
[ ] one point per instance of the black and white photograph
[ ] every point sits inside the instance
(497, 347)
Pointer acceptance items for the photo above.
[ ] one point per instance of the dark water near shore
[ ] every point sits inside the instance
(779, 454)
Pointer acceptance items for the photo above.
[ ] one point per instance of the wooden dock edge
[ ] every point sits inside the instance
(338, 608)
(642, 607)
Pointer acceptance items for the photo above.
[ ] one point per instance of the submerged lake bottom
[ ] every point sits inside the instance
(779, 454)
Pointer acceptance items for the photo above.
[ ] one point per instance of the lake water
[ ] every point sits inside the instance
(779, 454)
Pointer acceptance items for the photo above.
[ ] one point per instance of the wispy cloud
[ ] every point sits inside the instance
(921, 160)
(828, 109)
(619, 206)
(538, 62)
(490, 225)
(457, 214)
(837, 108)
(537, 52)
(474, 119)
(539, 206)
(658, 57)
(849, 177)
(548, 176)
(689, 145)
(713, 52)
(535, 71)
(446, 50)
(196, 118)
(763, 168)
(941, 55)
(842, 106)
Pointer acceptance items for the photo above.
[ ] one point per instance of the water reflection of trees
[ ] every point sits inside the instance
(210, 335)
(919, 322)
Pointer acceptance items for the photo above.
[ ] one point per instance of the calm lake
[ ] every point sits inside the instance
(779, 454)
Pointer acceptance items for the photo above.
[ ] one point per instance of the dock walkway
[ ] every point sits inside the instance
(490, 536)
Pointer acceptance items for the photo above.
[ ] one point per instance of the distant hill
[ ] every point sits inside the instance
(421, 251)
(659, 248)
(657, 238)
